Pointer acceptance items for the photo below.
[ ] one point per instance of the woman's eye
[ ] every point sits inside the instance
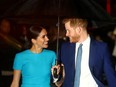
(44, 36)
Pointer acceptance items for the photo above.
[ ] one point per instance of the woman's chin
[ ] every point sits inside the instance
(46, 46)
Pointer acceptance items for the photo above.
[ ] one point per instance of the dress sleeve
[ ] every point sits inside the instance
(54, 59)
(18, 62)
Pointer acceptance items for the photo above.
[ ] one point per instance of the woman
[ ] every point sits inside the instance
(34, 64)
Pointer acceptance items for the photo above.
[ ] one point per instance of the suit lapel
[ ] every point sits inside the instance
(92, 54)
(92, 61)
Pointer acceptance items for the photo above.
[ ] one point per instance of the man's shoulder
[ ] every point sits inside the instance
(98, 44)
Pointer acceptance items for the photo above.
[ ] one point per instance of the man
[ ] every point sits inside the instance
(96, 59)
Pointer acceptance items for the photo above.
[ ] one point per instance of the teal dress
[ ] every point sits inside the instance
(35, 68)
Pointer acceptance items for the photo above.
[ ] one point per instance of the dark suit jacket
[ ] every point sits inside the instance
(99, 63)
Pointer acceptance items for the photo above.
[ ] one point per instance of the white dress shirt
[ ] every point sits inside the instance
(86, 78)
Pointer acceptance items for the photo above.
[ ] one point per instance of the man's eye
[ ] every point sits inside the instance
(43, 36)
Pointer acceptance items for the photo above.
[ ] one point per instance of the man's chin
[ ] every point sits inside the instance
(71, 41)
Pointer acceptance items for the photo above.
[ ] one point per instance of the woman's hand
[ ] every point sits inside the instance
(57, 67)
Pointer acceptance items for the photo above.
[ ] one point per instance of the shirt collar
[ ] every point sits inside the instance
(85, 42)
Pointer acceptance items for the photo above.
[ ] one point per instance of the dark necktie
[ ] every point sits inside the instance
(78, 67)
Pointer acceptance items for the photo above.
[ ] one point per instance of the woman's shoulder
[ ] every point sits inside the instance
(23, 55)
(24, 52)
(49, 51)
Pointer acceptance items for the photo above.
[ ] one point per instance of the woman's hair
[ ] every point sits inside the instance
(34, 31)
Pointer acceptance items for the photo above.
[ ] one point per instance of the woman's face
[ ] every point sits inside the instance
(42, 39)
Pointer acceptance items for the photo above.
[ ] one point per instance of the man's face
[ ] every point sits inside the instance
(72, 33)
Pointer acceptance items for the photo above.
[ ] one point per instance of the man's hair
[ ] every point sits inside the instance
(74, 22)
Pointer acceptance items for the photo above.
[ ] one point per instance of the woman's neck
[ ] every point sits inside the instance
(36, 50)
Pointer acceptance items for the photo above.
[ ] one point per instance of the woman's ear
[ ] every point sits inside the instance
(33, 41)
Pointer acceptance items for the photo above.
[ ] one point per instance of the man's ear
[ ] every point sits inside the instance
(78, 29)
